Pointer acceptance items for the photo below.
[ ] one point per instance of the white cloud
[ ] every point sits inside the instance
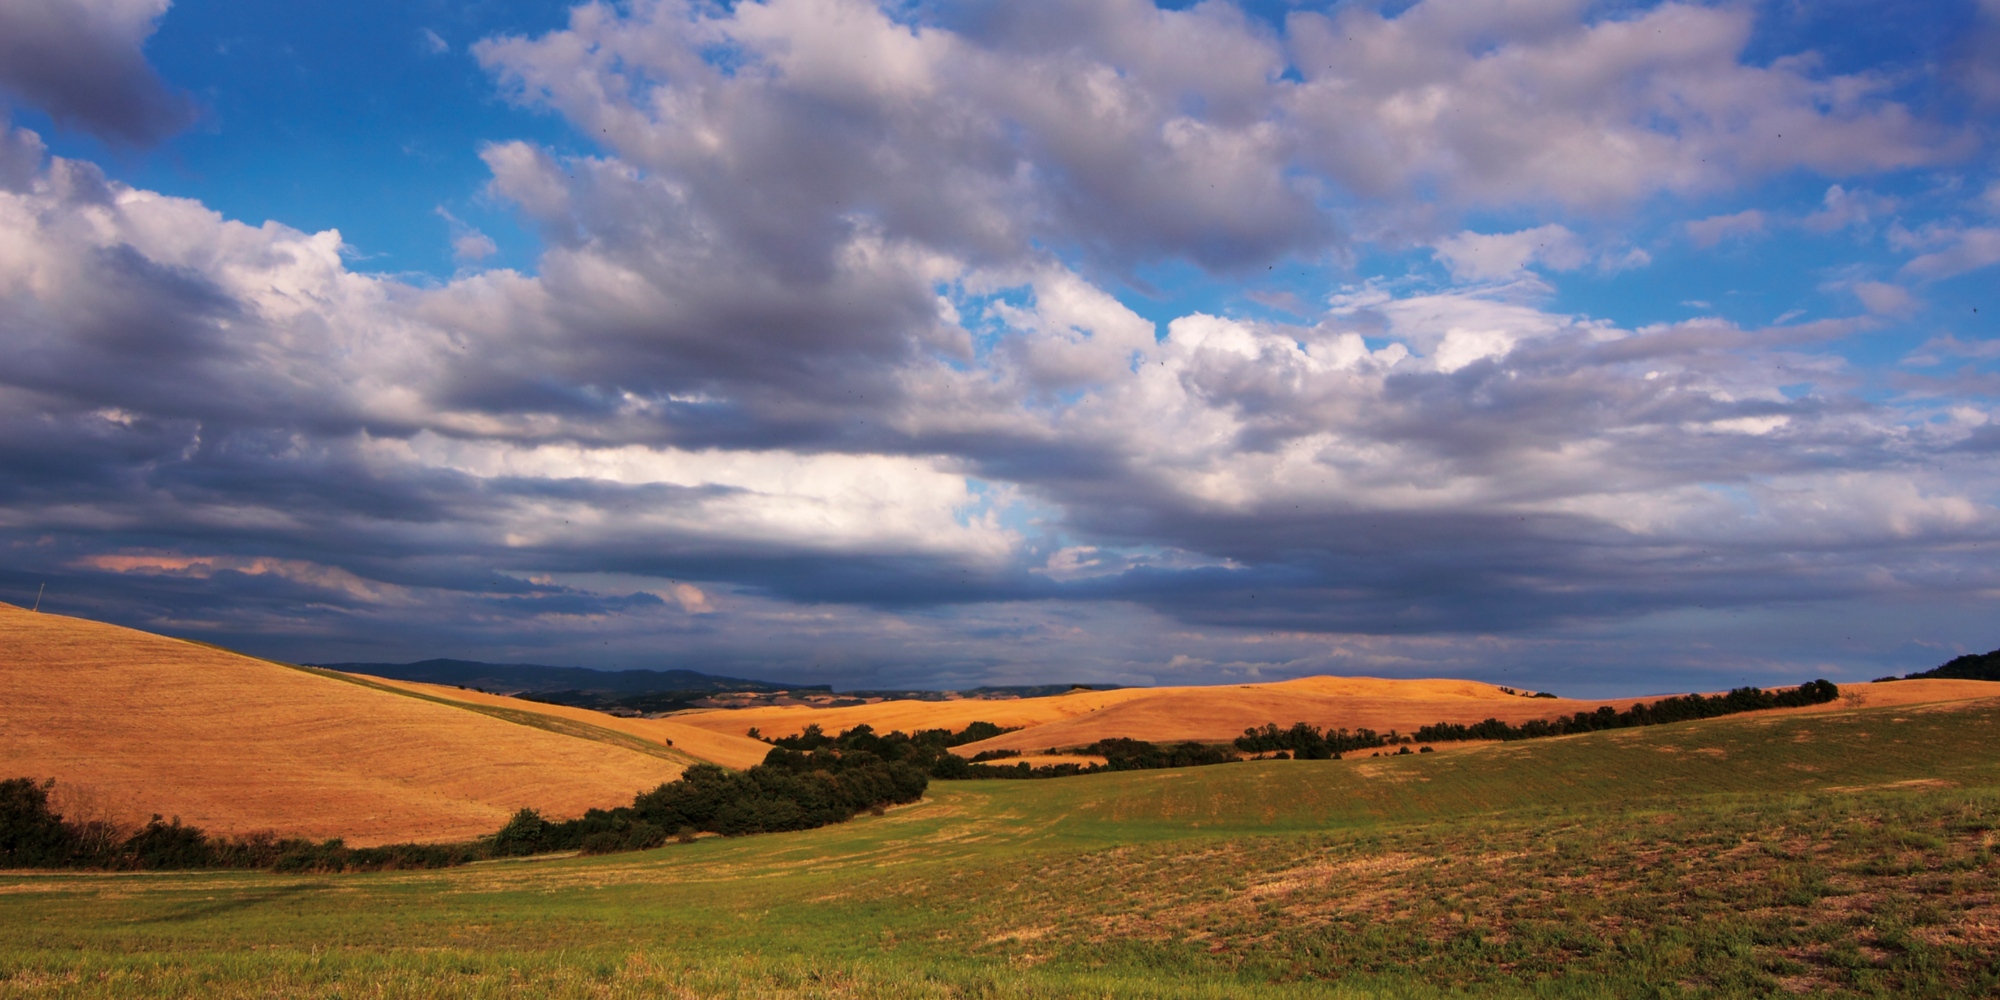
(1481, 257)
(1497, 102)
(1965, 250)
(1884, 299)
(1708, 232)
(835, 503)
(1843, 209)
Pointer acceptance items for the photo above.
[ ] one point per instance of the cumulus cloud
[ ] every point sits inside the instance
(1499, 102)
(1476, 256)
(82, 61)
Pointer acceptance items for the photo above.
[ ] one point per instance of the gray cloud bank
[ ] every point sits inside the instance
(822, 372)
(82, 62)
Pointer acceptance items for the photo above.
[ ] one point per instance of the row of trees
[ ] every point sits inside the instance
(34, 835)
(930, 750)
(1304, 741)
(791, 790)
(1683, 708)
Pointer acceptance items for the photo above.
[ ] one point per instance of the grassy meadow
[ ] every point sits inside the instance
(1846, 853)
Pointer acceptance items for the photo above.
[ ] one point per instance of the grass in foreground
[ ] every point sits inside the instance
(1844, 854)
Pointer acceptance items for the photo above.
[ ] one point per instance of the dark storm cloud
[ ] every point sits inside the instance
(82, 64)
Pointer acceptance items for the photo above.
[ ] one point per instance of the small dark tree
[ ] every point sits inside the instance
(527, 833)
(31, 835)
(165, 846)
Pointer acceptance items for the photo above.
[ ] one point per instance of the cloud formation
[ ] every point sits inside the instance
(82, 62)
(833, 364)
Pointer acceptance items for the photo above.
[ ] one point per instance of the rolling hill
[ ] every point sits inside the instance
(130, 723)
(1216, 714)
(714, 746)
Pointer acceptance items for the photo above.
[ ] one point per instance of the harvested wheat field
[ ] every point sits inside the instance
(1214, 714)
(130, 723)
(708, 744)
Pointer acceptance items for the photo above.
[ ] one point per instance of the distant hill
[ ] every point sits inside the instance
(1971, 667)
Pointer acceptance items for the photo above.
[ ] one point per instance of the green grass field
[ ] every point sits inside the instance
(1842, 854)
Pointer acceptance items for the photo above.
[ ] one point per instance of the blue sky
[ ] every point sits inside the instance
(1610, 347)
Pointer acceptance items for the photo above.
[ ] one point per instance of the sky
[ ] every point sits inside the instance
(1595, 347)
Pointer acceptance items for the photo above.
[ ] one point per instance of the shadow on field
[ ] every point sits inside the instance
(243, 901)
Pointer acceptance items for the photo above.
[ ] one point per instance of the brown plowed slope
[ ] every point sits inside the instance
(717, 747)
(134, 723)
(1214, 714)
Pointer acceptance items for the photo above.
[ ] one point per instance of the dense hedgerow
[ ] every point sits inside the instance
(930, 750)
(1306, 742)
(789, 791)
(1684, 708)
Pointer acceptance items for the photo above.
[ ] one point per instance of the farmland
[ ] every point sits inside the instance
(1850, 852)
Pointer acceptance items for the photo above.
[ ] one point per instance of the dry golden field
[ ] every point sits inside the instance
(130, 723)
(723, 748)
(1214, 714)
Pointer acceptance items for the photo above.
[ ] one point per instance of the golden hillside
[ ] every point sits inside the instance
(1216, 714)
(130, 723)
(723, 748)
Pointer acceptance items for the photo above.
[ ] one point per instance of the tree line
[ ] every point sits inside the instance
(1970, 667)
(1304, 741)
(789, 791)
(930, 750)
(1681, 708)
(34, 835)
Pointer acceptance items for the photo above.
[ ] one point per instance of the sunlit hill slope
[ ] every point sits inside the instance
(130, 723)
